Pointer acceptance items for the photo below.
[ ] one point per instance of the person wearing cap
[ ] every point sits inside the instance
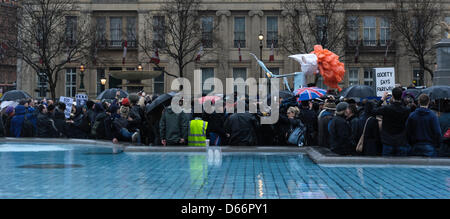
(340, 132)
(121, 130)
(325, 117)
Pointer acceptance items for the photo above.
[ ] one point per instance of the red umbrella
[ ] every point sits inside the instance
(213, 99)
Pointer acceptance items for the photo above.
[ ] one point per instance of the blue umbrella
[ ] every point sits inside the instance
(309, 93)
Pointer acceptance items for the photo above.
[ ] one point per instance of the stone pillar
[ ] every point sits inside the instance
(254, 30)
(442, 75)
(223, 69)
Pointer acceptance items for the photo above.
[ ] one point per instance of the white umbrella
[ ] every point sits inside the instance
(8, 103)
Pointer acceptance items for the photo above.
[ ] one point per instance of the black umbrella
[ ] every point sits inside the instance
(15, 95)
(413, 92)
(161, 100)
(358, 91)
(111, 94)
(437, 92)
(286, 94)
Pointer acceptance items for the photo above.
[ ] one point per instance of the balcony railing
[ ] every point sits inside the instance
(370, 45)
(116, 44)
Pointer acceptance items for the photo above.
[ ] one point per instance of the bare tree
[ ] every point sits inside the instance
(310, 23)
(178, 32)
(49, 37)
(416, 21)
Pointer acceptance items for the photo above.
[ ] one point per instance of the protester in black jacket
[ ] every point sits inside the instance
(340, 132)
(2, 127)
(77, 125)
(371, 144)
(393, 134)
(46, 126)
(309, 119)
(60, 121)
(241, 129)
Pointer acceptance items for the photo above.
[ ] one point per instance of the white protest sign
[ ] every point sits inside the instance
(385, 78)
(81, 99)
(69, 102)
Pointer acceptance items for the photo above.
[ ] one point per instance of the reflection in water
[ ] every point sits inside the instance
(214, 156)
(198, 169)
(260, 186)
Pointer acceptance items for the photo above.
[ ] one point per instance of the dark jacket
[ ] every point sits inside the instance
(309, 119)
(354, 122)
(137, 114)
(215, 123)
(79, 129)
(324, 135)
(46, 126)
(118, 124)
(340, 136)
(61, 124)
(394, 121)
(422, 127)
(372, 143)
(2, 127)
(173, 126)
(242, 129)
(18, 119)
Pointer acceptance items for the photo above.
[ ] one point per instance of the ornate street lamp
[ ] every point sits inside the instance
(103, 81)
(260, 38)
(140, 67)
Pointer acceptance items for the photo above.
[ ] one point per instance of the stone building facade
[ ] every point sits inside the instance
(241, 19)
(8, 74)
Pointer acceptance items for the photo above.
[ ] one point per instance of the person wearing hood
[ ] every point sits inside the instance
(18, 122)
(111, 114)
(97, 130)
(371, 144)
(340, 132)
(353, 120)
(91, 110)
(423, 130)
(174, 128)
(77, 124)
(46, 126)
(241, 128)
(309, 119)
(121, 129)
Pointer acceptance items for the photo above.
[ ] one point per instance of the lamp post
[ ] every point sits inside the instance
(260, 38)
(139, 67)
(82, 69)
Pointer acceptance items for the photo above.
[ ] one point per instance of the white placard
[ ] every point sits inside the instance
(385, 78)
(81, 99)
(69, 102)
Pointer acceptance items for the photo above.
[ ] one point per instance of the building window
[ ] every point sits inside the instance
(447, 20)
(131, 32)
(71, 82)
(207, 31)
(385, 32)
(42, 84)
(71, 30)
(240, 73)
(272, 31)
(159, 32)
(353, 30)
(100, 32)
(100, 76)
(322, 32)
(239, 32)
(353, 76)
(369, 76)
(158, 82)
(116, 31)
(370, 29)
(206, 74)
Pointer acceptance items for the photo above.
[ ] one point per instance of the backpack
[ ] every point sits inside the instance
(27, 128)
(297, 137)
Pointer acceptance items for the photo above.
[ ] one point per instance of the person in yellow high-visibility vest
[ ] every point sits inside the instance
(197, 132)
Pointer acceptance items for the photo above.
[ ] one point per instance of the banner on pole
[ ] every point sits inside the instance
(69, 102)
(385, 80)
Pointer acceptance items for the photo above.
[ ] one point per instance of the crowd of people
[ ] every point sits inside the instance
(392, 126)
